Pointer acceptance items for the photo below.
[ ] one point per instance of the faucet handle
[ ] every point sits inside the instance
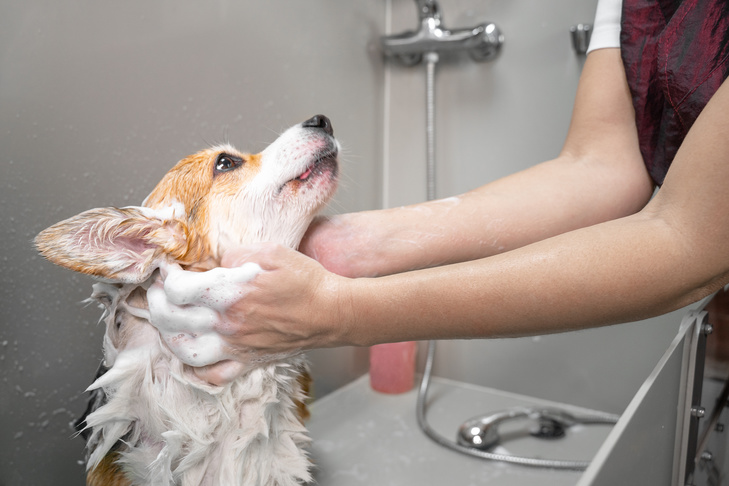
(490, 42)
(428, 9)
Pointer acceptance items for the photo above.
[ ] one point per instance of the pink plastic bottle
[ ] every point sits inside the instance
(392, 367)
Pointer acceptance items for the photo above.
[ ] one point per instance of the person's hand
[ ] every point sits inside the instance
(186, 306)
(291, 305)
(269, 302)
(339, 244)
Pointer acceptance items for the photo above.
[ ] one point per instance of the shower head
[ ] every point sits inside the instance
(482, 42)
(482, 432)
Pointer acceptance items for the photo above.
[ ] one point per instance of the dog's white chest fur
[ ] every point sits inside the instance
(186, 432)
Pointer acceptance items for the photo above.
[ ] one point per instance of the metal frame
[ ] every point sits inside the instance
(644, 448)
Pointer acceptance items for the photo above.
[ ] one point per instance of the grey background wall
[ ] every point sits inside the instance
(99, 99)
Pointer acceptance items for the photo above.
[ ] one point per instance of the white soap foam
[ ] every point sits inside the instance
(189, 306)
(217, 288)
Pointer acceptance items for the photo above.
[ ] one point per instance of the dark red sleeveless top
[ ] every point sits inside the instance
(675, 54)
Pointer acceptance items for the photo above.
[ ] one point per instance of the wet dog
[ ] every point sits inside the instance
(151, 420)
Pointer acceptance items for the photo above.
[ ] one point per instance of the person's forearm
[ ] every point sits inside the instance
(601, 275)
(598, 176)
(546, 200)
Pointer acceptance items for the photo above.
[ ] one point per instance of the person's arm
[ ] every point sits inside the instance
(672, 253)
(598, 176)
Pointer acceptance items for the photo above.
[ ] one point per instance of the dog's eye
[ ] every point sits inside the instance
(226, 162)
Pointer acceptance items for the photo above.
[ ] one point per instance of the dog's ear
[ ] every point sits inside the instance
(117, 244)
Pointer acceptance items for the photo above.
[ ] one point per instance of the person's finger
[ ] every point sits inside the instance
(221, 373)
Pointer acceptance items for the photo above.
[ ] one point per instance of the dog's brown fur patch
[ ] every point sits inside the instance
(107, 473)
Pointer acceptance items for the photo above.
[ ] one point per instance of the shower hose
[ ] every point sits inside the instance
(431, 58)
(522, 461)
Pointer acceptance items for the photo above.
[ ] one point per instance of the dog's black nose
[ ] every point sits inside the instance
(319, 121)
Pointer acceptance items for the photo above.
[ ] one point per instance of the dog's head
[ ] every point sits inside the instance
(211, 201)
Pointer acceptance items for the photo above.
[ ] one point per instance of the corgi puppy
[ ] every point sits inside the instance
(151, 421)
